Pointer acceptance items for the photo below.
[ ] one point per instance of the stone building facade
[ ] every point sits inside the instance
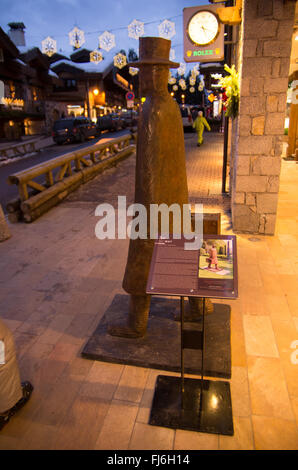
(265, 37)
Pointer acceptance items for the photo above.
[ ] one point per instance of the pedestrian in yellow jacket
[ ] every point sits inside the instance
(199, 124)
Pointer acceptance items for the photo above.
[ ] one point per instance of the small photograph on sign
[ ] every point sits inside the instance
(216, 259)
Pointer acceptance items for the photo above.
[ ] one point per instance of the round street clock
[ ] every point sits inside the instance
(203, 28)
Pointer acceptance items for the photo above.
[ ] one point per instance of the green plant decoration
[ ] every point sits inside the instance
(231, 84)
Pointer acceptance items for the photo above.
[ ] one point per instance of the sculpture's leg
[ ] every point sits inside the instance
(139, 306)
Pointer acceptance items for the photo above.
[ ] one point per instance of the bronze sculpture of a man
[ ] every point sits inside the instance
(160, 171)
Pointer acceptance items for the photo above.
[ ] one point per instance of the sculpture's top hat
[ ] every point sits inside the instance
(154, 51)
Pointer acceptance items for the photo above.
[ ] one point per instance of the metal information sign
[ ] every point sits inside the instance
(203, 34)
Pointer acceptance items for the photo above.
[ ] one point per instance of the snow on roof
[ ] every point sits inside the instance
(89, 67)
(21, 62)
(52, 73)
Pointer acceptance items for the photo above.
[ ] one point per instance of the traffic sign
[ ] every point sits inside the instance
(130, 103)
(130, 95)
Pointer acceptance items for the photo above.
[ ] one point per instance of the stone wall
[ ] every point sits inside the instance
(266, 34)
(54, 110)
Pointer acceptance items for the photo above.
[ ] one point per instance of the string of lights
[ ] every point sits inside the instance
(107, 41)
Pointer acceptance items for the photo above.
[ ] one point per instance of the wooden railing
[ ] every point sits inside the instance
(45, 185)
(14, 150)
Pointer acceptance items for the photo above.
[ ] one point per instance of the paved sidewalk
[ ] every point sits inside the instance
(204, 170)
(56, 281)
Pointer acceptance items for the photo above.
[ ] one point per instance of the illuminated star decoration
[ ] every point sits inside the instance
(133, 70)
(107, 41)
(166, 29)
(175, 87)
(76, 37)
(96, 57)
(182, 69)
(120, 60)
(135, 29)
(192, 90)
(49, 46)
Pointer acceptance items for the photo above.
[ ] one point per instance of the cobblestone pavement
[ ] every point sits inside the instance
(57, 280)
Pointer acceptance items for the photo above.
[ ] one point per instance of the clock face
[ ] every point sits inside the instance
(203, 28)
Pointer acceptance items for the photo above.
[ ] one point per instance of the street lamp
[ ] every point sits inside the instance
(95, 91)
(183, 96)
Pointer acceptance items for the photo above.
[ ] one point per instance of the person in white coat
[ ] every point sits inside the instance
(13, 394)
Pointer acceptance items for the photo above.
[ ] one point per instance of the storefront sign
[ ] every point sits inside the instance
(12, 103)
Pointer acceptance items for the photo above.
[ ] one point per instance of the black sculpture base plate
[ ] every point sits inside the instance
(207, 405)
(160, 347)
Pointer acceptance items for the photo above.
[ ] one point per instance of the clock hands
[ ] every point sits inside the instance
(206, 29)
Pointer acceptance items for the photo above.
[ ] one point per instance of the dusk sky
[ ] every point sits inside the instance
(56, 18)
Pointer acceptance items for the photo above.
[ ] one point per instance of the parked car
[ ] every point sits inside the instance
(187, 119)
(130, 117)
(110, 122)
(73, 129)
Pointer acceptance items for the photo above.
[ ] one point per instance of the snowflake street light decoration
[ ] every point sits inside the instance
(196, 70)
(120, 60)
(216, 76)
(182, 69)
(182, 82)
(135, 29)
(96, 57)
(192, 90)
(192, 81)
(175, 87)
(49, 46)
(201, 87)
(107, 41)
(133, 70)
(76, 37)
(172, 54)
(172, 80)
(166, 29)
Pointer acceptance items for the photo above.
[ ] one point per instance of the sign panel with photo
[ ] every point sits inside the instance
(209, 271)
